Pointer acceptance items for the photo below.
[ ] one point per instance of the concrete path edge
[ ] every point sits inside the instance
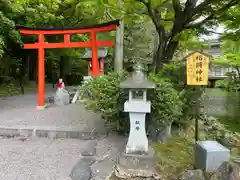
(49, 132)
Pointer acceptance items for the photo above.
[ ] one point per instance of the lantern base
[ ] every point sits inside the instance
(131, 165)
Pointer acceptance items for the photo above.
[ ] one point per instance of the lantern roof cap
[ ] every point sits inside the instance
(138, 80)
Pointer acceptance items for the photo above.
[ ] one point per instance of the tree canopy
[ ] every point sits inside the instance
(173, 18)
(231, 21)
(170, 28)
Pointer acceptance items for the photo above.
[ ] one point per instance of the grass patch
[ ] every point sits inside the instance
(174, 156)
(30, 89)
(232, 124)
(5, 91)
(177, 154)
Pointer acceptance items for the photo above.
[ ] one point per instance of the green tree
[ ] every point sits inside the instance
(172, 17)
(10, 42)
(138, 41)
(230, 58)
(8, 34)
(35, 13)
(231, 55)
(231, 22)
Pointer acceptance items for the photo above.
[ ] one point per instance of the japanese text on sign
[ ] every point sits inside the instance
(137, 123)
(197, 69)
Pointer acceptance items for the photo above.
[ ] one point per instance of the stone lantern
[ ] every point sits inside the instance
(138, 158)
(137, 106)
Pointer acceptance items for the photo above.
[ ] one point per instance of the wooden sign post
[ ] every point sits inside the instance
(197, 67)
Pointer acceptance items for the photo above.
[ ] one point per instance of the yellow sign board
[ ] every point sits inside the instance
(197, 69)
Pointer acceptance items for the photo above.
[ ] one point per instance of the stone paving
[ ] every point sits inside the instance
(59, 159)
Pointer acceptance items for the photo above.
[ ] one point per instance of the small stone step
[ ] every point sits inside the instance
(50, 99)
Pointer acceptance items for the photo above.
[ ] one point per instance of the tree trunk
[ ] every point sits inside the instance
(118, 59)
(36, 69)
(238, 72)
(166, 43)
(54, 79)
(22, 74)
(61, 67)
(27, 68)
(167, 133)
(158, 61)
(164, 53)
(159, 58)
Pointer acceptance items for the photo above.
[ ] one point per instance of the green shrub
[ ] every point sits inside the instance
(166, 102)
(220, 83)
(9, 86)
(229, 84)
(175, 73)
(108, 99)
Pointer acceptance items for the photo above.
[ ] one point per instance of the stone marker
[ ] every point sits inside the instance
(137, 160)
(209, 155)
(61, 97)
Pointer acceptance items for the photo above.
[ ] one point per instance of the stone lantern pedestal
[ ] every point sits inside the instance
(138, 158)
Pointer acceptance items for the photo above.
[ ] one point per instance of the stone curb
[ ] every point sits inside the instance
(53, 133)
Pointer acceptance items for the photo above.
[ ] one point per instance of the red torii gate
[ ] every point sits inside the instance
(41, 45)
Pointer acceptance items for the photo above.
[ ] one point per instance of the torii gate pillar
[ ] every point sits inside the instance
(41, 72)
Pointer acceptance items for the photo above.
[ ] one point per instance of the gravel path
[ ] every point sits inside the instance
(58, 159)
(20, 112)
(73, 116)
(61, 159)
(39, 159)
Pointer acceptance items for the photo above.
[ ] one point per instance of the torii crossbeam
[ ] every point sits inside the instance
(93, 43)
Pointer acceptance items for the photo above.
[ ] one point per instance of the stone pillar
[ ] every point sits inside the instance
(137, 141)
